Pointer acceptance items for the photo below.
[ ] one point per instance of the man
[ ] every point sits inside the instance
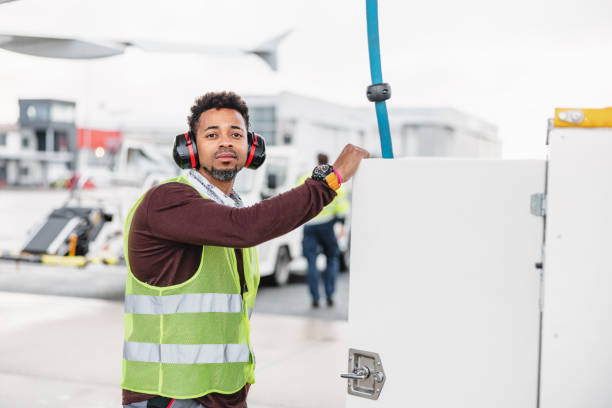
(192, 268)
(319, 232)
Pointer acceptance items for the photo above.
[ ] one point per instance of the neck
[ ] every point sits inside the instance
(225, 186)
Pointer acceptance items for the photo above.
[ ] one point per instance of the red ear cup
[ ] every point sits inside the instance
(252, 147)
(190, 148)
(256, 154)
(185, 151)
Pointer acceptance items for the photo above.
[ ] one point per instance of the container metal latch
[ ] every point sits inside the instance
(366, 376)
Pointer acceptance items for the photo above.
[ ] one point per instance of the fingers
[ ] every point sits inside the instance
(348, 161)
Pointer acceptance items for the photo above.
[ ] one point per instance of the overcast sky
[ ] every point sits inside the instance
(508, 62)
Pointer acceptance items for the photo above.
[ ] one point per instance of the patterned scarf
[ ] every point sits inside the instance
(211, 191)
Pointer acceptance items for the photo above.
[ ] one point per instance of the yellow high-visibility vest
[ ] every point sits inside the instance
(187, 340)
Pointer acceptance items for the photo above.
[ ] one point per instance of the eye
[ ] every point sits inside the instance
(210, 135)
(237, 135)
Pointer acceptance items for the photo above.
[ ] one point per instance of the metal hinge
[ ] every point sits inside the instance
(538, 204)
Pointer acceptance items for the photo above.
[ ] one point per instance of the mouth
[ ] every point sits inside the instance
(226, 157)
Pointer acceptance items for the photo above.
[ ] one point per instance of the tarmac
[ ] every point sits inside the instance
(62, 332)
(66, 351)
(101, 281)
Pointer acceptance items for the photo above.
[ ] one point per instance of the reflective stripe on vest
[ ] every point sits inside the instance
(175, 403)
(187, 303)
(186, 353)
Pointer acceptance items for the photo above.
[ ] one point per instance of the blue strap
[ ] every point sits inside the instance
(375, 69)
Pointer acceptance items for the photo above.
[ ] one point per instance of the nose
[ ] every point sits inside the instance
(226, 140)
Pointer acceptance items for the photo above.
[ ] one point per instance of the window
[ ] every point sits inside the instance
(2, 139)
(263, 121)
(60, 141)
(62, 113)
(41, 140)
(277, 167)
(139, 161)
(25, 142)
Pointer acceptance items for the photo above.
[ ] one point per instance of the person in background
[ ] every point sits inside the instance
(319, 233)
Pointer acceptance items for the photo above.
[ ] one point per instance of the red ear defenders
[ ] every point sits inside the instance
(185, 151)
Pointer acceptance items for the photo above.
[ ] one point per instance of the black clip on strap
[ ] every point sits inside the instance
(379, 92)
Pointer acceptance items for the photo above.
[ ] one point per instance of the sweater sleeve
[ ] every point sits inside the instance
(177, 212)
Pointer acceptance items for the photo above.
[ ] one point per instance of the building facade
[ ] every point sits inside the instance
(312, 125)
(42, 146)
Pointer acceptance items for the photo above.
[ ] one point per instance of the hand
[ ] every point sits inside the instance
(346, 164)
(341, 231)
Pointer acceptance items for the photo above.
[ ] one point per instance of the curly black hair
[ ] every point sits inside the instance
(216, 100)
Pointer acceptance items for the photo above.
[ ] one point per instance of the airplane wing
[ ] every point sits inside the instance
(80, 48)
(53, 47)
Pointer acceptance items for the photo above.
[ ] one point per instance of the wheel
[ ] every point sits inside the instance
(281, 268)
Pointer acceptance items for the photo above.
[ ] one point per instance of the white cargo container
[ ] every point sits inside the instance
(484, 283)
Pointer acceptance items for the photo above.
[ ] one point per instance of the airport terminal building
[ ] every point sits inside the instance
(40, 145)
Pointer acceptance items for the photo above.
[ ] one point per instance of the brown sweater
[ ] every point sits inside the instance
(173, 222)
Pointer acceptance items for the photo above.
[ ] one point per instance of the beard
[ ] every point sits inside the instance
(222, 175)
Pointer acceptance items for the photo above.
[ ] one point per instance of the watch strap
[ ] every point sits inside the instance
(333, 180)
(337, 173)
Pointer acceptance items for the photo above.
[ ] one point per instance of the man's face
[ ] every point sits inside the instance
(222, 143)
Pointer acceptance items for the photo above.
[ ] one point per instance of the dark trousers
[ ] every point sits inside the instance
(163, 402)
(323, 236)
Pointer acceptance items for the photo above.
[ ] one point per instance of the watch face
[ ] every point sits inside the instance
(321, 171)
